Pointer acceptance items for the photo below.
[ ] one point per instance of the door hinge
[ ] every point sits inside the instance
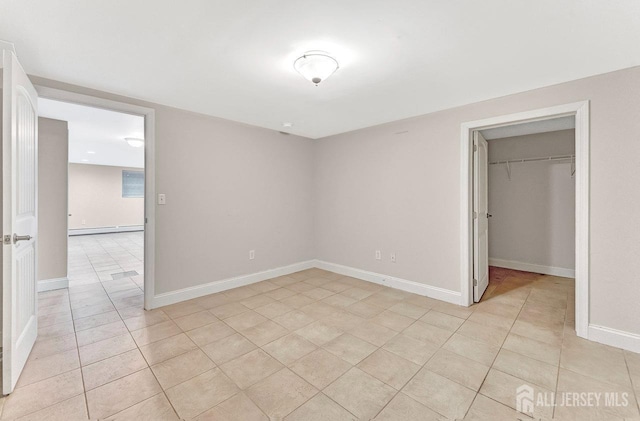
(475, 148)
(475, 282)
(475, 215)
(6, 239)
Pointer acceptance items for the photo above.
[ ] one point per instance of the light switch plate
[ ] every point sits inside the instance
(162, 199)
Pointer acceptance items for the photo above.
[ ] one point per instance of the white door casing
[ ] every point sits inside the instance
(580, 110)
(480, 216)
(20, 204)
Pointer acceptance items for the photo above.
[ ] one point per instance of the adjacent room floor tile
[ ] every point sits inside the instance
(320, 368)
(159, 351)
(350, 348)
(389, 368)
(107, 348)
(460, 369)
(320, 408)
(120, 394)
(182, 368)
(289, 348)
(440, 394)
(411, 349)
(156, 408)
(530, 370)
(156, 332)
(201, 393)
(281, 393)
(210, 333)
(319, 333)
(403, 408)
(195, 320)
(251, 368)
(36, 396)
(228, 348)
(70, 409)
(50, 366)
(265, 332)
(237, 408)
(113, 368)
(359, 393)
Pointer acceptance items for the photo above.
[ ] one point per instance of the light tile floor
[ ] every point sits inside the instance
(96, 258)
(315, 345)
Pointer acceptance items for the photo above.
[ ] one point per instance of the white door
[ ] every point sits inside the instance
(19, 218)
(480, 216)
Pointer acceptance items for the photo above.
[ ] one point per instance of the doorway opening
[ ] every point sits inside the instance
(128, 243)
(531, 204)
(105, 186)
(480, 165)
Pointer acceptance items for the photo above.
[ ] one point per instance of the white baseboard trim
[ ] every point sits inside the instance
(530, 267)
(51, 284)
(184, 294)
(437, 293)
(105, 230)
(614, 337)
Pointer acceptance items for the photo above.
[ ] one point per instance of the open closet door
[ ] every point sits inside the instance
(19, 218)
(480, 216)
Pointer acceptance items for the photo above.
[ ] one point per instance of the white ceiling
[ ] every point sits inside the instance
(234, 59)
(523, 129)
(96, 136)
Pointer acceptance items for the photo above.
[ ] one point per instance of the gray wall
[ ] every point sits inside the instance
(230, 188)
(533, 212)
(53, 147)
(95, 198)
(378, 190)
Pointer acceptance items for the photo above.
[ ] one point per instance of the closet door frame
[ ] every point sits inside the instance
(580, 111)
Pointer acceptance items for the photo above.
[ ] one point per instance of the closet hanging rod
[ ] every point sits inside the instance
(546, 158)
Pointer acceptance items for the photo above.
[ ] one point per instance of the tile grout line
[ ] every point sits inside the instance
(199, 347)
(555, 395)
(423, 366)
(128, 333)
(500, 349)
(633, 389)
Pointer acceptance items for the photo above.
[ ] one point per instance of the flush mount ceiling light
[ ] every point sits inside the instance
(316, 66)
(134, 142)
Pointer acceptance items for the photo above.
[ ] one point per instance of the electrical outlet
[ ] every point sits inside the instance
(378, 255)
(252, 254)
(84, 222)
(393, 257)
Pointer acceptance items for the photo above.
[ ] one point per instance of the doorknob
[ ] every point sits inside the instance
(489, 215)
(17, 238)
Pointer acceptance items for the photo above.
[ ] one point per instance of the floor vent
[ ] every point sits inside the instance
(121, 275)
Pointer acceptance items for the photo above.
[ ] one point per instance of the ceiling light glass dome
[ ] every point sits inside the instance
(316, 66)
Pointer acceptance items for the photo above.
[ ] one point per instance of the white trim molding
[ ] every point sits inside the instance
(149, 170)
(531, 267)
(197, 291)
(105, 230)
(581, 112)
(437, 293)
(613, 337)
(51, 284)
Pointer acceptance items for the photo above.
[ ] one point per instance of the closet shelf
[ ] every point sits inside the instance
(545, 158)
